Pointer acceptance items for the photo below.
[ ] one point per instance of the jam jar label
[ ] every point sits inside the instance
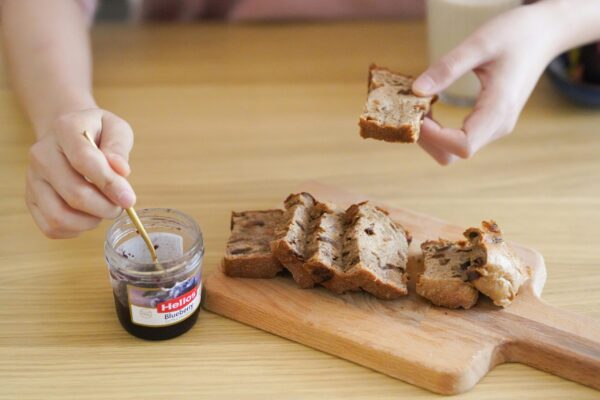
(156, 307)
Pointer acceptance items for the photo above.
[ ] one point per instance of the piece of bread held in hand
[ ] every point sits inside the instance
(392, 112)
(248, 253)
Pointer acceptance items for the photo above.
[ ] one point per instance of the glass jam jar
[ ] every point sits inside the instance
(156, 301)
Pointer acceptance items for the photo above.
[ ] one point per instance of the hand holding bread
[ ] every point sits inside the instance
(508, 54)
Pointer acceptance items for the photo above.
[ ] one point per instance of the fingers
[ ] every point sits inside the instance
(443, 157)
(40, 221)
(462, 59)
(493, 116)
(72, 184)
(51, 165)
(52, 215)
(451, 140)
(428, 142)
(455, 141)
(91, 162)
(116, 142)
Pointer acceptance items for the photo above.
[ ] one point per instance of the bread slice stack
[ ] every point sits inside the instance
(392, 113)
(360, 248)
(455, 272)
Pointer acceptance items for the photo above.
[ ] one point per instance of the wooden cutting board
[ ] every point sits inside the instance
(446, 351)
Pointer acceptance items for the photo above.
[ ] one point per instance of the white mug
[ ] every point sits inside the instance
(451, 21)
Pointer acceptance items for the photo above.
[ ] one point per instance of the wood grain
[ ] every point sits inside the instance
(235, 117)
(446, 351)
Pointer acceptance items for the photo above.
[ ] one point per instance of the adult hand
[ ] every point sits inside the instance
(508, 54)
(71, 185)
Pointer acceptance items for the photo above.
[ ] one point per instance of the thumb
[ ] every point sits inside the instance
(448, 69)
(116, 142)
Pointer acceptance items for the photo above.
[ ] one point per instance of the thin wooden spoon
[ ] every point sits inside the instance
(134, 217)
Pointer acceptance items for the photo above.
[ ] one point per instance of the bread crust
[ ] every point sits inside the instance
(373, 130)
(248, 253)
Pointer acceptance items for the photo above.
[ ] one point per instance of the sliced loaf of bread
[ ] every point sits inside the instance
(319, 243)
(392, 112)
(444, 281)
(248, 253)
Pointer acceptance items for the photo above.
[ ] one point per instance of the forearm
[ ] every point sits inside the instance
(47, 51)
(577, 22)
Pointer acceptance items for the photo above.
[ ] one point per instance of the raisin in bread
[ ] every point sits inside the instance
(375, 253)
(444, 281)
(495, 271)
(291, 236)
(248, 253)
(392, 112)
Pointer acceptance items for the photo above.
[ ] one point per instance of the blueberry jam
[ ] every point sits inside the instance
(156, 301)
(160, 333)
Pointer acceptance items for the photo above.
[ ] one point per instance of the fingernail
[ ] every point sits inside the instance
(423, 85)
(126, 199)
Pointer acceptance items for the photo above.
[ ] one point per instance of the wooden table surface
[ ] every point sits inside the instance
(234, 117)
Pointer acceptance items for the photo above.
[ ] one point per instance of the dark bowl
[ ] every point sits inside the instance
(585, 94)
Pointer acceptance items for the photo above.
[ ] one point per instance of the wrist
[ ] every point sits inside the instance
(572, 23)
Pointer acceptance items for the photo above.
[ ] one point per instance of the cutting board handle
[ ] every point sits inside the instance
(553, 340)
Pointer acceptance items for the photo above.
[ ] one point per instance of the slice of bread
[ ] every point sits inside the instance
(291, 236)
(325, 244)
(495, 271)
(392, 112)
(375, 253)
(444, 281)
(248, 253)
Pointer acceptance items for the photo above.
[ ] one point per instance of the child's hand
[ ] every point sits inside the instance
(62, 202)
(508, 54)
